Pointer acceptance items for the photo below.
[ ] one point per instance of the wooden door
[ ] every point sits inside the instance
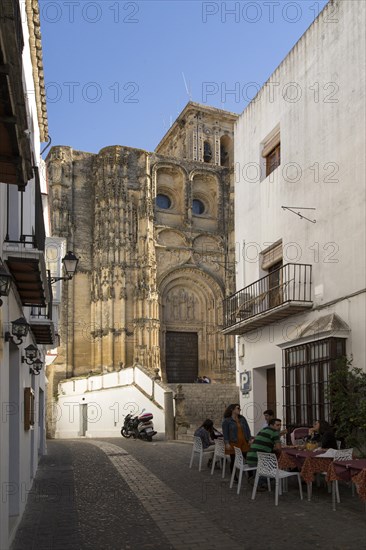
(271, 389)
(181, 357)
(274, 285)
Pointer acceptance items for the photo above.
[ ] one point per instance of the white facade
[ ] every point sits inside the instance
(21, 443)
(96, 406)
(315, 99)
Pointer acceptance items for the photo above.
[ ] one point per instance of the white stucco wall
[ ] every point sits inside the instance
(316, 96)
(109, 398)
(19, 448)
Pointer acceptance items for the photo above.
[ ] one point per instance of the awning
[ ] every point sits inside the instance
(326, 326)
(43, 331)
(30, 279)
(15, 149)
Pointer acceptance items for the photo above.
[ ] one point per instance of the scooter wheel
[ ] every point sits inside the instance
(149, 438)
(125, 434)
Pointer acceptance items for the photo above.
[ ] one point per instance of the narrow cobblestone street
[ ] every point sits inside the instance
(121, 494)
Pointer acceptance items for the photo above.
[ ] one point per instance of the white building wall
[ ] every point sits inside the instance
(316, 96)
(108, 398)
(19, 449)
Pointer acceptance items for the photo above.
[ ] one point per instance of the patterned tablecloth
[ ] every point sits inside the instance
(306, 461)
(348, 470)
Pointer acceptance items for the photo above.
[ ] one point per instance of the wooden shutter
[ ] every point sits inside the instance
(28, 408)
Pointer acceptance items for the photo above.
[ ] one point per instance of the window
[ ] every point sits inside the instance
(271, 255)
(271, 261)
(28, 408)
(273, 159)
(163, 201)
(271, 151)
(275, 295)
(207, 152)
(305, 377)
(226, 150)
(198, 207)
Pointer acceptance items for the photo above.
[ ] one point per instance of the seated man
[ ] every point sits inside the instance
(268, 415)
(266, 441)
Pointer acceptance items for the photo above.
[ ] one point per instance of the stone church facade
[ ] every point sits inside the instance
(154, 233)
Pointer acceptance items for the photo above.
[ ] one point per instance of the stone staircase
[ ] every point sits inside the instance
(196, 402)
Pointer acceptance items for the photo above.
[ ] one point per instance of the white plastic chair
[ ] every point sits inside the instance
(341, 454)
(268, 467)
(240, 465)
(197, 448)
(219, 454)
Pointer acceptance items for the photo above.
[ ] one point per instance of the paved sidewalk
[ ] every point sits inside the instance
(125, 494)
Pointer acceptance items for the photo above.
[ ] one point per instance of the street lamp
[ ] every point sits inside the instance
(36, 367)
(5, 281)
(19, 330)
(31, 355)
(70, 262)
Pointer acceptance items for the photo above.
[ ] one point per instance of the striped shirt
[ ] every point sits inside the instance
(264, 442)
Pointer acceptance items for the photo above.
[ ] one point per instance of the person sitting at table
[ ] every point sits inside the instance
(268, 415)
(322, 435)
(208, 433)
(205, 433)
(266, 441)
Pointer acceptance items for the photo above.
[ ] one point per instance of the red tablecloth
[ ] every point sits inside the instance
(360, 481)
(348, 470)
(345, 469)
(306, 461)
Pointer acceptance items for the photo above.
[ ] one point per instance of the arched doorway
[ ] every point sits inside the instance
(190, 310)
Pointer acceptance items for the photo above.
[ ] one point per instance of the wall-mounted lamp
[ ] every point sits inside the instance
(31, 354)
(19, 330)
(5, 281)
(36, 367)
(70, 262)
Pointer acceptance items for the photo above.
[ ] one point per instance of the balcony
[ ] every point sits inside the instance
(41, 323)
(15, 150)
(284, 292)
(25, 257)
(42, 326)
(28, 268)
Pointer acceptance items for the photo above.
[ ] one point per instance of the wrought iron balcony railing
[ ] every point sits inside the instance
(283, 292)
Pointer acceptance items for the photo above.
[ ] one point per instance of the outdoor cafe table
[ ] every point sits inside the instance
(348, 470)
(306, 461)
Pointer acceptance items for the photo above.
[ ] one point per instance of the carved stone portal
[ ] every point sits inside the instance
(144, 269)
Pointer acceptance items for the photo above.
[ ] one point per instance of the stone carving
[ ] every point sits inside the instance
(150, 271)
(181, 305)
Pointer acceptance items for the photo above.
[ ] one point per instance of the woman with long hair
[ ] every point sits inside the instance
(236, 432)
(205, 432)
(322, 434)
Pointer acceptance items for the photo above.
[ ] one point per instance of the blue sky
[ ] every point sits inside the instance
(119, 72)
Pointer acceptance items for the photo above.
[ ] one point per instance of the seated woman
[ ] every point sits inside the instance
(206, 433)
(321, 434)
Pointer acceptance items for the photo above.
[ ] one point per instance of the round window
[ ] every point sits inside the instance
(163, 201)
(198, 207)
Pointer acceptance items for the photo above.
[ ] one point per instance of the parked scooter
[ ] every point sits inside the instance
(139, 427)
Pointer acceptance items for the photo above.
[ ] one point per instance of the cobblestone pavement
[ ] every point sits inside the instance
(124, 494)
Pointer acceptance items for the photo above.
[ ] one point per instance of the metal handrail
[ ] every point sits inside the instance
(291, 282)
